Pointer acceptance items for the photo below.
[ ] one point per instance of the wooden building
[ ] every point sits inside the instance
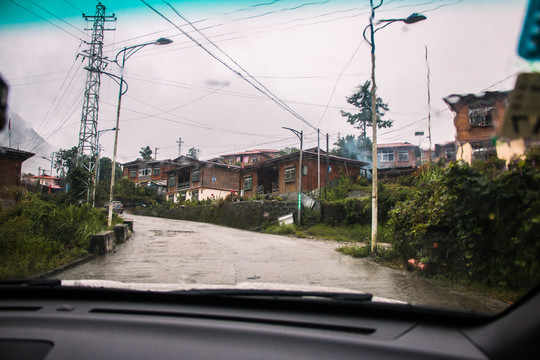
(280, 174)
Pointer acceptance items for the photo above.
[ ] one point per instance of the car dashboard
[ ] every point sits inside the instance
(96, 324)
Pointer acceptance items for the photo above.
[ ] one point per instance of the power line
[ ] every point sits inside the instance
(50, 13)
(337, 82)
(42, 18)
(267, 92)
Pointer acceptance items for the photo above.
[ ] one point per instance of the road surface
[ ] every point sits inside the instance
(176, 251)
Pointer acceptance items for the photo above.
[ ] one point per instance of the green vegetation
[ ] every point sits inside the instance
(477, 223)
(39, 235)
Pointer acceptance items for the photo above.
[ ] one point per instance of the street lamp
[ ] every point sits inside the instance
(126, 52)
(300, 135)
(411, 19)
(50, 174)
(96, 170)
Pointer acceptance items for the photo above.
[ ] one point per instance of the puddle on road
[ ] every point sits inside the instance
(170, 233)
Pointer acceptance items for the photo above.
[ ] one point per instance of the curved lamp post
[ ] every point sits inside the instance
(126, 52)
(411, 19)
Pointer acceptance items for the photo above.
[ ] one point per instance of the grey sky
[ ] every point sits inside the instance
(178, 90)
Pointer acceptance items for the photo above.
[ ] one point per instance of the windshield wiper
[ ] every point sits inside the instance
(31, 282)
(279, 294)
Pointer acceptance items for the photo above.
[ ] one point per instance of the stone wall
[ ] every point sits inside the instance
(247, 215)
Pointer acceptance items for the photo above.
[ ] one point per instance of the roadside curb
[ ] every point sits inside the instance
(65, 267)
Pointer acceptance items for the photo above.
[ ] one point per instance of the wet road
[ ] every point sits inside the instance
(176, 251)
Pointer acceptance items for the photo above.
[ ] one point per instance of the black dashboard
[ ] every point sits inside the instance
(76, 323)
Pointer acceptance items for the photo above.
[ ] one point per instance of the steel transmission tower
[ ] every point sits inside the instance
(87, 149)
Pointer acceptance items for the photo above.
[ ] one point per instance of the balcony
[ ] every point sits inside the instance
(182, 185)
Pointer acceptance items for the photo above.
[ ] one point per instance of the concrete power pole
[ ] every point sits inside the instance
(155, 153)
(87, 146)
(179, 142)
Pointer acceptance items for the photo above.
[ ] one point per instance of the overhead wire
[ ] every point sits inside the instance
(47, 21)
(258, 84)
(59, 18)
(57, 96)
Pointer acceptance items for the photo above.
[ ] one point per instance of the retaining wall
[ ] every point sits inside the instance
(247, 215)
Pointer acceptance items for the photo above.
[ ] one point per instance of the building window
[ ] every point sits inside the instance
(195, 175)
(145, 172)
(248, 183)
(157, 171)
(450, 155)
(253, 159)
(403, 156)
(385, 155)
(171, 181)
(290, 174)
(133, 173)
(481, 113)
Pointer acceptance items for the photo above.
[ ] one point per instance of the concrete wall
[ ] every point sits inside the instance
(106, 241)
(246, 215)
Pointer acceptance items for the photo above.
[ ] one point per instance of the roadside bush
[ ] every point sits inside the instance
(358, 210)
(477, 222)
(38, 235)
(277, 229)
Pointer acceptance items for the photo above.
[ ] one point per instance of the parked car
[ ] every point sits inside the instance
(118, 207)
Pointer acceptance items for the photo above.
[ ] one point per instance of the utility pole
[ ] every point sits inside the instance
(300, 135)
(179, 142)
(327, 165)
(429, 106)
(374, 174)
(39, 178)
(319, 161)
(155, 153)
(87, 146)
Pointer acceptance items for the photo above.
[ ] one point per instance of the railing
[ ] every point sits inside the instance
(182, 185)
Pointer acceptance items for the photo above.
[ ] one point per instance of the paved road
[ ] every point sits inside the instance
(176, 251)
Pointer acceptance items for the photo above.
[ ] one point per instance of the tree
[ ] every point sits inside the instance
(358, 148)
(287, 150)
(146, 153)
(65, 160)
(193, 153)
(362, 100)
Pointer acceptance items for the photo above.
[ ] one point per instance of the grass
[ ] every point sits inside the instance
(38, 236)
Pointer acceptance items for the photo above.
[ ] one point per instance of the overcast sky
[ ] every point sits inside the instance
(309, 54)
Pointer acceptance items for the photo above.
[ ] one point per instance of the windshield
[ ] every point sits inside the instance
(229, 143)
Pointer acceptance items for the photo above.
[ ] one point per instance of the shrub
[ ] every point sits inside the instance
(478, 222)
(38, 235)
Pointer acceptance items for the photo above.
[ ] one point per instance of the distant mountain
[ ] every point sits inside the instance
(24, 137)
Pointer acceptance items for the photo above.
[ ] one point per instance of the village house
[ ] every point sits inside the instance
(279, 175)
(10, 177)
(445, 151)
(193, 179)
(478, 120)
(49, 184)
(397, 158)
(249, 157)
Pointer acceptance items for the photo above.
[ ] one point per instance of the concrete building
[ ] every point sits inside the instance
(397, 158)
(478, 120)
(193, 179)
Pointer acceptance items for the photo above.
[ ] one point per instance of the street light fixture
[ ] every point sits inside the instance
(411, 19)
(126, 52)
(50, 173)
